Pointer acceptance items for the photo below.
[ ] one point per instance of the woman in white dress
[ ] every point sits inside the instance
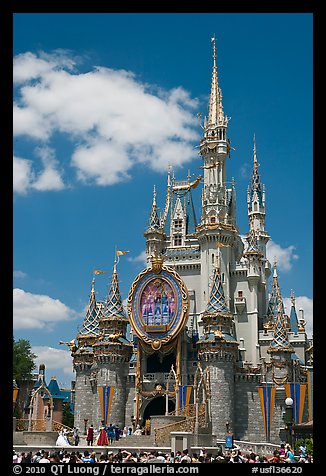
(62, 439)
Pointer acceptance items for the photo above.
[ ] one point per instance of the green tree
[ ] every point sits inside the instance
(23, 360)
(67, 416)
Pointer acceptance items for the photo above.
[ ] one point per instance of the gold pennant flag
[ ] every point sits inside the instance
(120, 253)
(98, 271)
(218, 243)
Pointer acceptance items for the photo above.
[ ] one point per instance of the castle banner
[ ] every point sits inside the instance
(106, 397)
(297, 392)
(184, 395)
(267, 402)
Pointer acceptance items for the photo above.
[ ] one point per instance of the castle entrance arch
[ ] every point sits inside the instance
(157, 406)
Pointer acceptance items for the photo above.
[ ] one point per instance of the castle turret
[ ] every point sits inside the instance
(214, 150)
(281, 350)
(294, 325)
(275, 302)
(217, 350)
(218, 217)
(257, 206)
(112, 352)
(83, 359)
(154, 234)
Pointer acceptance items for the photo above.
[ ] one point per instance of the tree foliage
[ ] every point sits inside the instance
(67, 416)
(23, 360)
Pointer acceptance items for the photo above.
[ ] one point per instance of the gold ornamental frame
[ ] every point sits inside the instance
(145, 333)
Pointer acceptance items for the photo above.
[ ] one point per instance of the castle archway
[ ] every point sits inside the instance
(157, 407)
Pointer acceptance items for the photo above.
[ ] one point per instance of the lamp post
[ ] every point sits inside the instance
(85, 429)
(289, 418)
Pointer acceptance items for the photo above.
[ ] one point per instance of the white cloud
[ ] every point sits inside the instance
(305, 303)
(141, 258)
(113, 119)
(38, 311)
(22, 175)
(27, 66)
(284, 256)
(49, 178)
(19, 274)
(56, 361)
(26, 177)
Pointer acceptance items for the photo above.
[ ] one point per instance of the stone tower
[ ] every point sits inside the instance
(83, 358)
(112, 352)
(218, 350)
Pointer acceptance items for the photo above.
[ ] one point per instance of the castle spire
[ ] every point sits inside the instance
(280, 341)
(217, 302)
(90, 327)
(214, 149)
(256, 196)
(293, 315)
(215, 112)
(113, 307)
(275, 304)
(154, 221)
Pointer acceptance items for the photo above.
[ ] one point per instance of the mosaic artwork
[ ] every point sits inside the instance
(157, 303)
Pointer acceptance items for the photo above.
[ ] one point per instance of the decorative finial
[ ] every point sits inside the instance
(255, 150)
(154, 196)
(292, 297)
(275, 271)
(213, 40)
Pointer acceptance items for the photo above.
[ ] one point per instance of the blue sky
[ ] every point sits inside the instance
(102, 104)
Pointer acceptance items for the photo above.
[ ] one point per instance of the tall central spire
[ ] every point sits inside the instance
(215, 113)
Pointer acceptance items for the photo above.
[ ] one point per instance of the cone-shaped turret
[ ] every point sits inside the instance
(154, 221)
(293, 315)
(90, 327)
(217, 317)
(275, 302)
(280, 342)
(112, 342)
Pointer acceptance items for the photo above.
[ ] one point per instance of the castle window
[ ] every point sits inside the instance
(213, 259)
(177, 224)
(213, 219)
(177, 240)
(240, 294)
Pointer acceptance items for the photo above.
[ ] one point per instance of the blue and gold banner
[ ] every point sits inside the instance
(106, 397)
(184, 395)
(297, 391)
(267, 402)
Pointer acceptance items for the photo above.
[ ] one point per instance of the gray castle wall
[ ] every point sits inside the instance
(222, 399)
(83, 399)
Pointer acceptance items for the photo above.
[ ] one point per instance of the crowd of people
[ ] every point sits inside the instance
(284, 454)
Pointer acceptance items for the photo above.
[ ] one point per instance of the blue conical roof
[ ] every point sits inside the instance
(293, 317)
(90, 327)
(113, 307)
(217, 301)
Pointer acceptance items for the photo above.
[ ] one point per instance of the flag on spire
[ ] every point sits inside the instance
(120, 253)
(98, 271)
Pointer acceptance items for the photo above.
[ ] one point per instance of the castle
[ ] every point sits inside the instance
(210, 342)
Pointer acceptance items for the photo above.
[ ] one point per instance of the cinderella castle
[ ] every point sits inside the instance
(205, 345)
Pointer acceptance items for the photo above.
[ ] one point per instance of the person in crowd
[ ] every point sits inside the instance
(90, 436)
(102, 439)
(87, 458)
(185, 458)
(289, 454)
(45, 458)
(76, 434)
